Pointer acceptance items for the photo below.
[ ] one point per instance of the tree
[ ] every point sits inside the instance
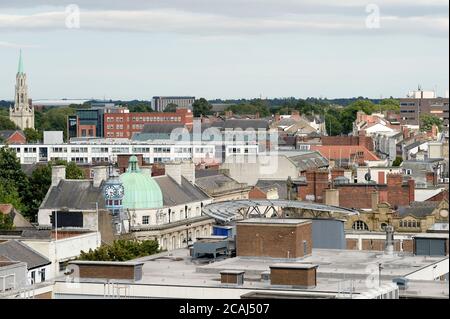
(427, 121)
(171, 107)
(41, 179)
(6, 123)
(121, 250)
(14, 184)
(32, 135)
(398, 160)
(55, 119)
(9, 195)
(6, 222)
(201, 107)
(390, 105)
(333, 126)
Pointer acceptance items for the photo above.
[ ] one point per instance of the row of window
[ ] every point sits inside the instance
(146, 119)
(410, 223)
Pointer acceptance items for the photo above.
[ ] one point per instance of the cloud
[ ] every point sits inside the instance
(237, 17)
(5, 44)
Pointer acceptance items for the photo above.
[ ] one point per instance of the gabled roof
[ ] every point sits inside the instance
(267, 184)
(176, 194)
(6, 134)
(74, 195)
(14, 250)
(242, 124)
(219, 183)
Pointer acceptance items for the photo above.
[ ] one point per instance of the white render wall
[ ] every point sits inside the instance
(88, 152)
(430, 272)
(63, 249)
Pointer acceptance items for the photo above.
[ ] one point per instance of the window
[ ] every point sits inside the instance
(33, 277)
(383, 226)
(145, 220)
(42, 275)
(360, 225)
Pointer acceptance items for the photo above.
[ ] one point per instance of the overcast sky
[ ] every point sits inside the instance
(135, 49)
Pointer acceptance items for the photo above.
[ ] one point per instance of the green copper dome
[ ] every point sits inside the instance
(141, 191)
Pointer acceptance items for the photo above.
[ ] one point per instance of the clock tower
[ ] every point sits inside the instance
(113, 191)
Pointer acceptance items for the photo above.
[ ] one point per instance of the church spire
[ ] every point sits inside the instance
(20, 69)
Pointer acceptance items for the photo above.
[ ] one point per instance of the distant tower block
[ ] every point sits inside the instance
(22, 114)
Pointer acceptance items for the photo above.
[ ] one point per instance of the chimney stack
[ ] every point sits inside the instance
(176, 170)
(58, 174)
(100, 175)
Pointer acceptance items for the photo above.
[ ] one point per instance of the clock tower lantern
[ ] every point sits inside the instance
(113, 191)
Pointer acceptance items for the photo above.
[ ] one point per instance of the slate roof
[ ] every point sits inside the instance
(74, 195)
(267, 184)
(413, 145)
(243, 124)
(418, 209)
(218, 183)
(175, 194)
(14, 250)
(309, 160)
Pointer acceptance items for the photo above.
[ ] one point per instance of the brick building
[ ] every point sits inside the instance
(12, 137)
(275, 238)
(124, 125)
(357, 195)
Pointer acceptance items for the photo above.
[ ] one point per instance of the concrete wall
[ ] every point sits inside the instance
(249, 169)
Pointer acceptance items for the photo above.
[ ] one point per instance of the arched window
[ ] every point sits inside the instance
(360, 225)
(383, 226)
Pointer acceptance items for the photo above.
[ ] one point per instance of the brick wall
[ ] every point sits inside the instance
(293, 277)
(395, 192)
(273, 240)
(256, 193)
(106, 271)
(349, 140)
(378, 244)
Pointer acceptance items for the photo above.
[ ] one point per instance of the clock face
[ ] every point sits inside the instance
(119, 191)
(109, 192)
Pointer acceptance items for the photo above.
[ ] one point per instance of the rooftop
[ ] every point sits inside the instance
(336, 268)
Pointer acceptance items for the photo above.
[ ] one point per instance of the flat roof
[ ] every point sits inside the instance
(294, 266)
(270, 221)
(336, 269)
(106, 263)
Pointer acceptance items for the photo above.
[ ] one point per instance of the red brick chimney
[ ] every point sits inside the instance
(411, 187)
(228, 114)
(431, 178)
(257, 115)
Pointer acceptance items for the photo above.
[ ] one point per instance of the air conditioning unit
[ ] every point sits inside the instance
(446, 180)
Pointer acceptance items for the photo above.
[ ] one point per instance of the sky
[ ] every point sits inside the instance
(137, 49)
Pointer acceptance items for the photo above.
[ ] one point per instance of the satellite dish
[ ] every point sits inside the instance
(367, 177)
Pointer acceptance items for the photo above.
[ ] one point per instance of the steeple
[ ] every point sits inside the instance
(20, 68)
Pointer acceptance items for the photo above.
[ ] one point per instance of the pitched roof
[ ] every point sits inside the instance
(161, 128)
(309, 160)
(418, 209)
(74, 195)
(242, 124)
(218, 183)
(5, 134)
(176, 194)
(267, 184)
(334, 152)
(14, 250)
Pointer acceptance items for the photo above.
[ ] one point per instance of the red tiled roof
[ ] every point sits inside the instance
(334, 152)
(6, 208)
